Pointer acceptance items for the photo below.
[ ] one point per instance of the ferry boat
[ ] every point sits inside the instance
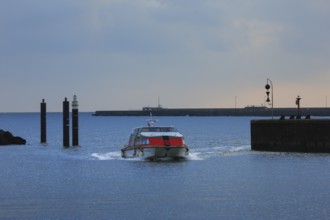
(155, 142)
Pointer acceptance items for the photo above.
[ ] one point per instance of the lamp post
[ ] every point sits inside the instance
(267, 87)
(298, 106)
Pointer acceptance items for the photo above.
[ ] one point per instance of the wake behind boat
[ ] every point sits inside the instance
(152, 142)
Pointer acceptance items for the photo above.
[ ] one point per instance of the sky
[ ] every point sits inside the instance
(126, 54)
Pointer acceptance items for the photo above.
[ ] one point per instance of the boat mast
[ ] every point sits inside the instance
(151, 122)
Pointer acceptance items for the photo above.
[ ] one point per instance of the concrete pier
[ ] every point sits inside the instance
(291, 135)
(247, 111)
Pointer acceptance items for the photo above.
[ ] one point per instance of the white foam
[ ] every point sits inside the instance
(116, 155)
(205, 153)
(195, 156)
(108, 156)
(239, 149)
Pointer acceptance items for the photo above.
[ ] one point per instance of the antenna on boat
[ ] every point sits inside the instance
(151, 121)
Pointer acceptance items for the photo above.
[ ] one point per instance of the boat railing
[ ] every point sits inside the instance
(151, 146)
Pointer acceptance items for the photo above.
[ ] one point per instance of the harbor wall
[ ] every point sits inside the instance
(218, 112)
(304, 135)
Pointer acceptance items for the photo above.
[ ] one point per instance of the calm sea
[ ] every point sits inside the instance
(222, 179)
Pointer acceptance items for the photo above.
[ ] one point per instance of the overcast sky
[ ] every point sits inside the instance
(124, 54)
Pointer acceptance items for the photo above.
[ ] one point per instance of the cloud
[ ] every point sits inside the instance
(198, 51)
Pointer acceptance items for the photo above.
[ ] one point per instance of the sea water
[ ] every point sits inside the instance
(221, 179)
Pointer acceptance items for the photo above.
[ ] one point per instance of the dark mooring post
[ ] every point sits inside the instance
(66, 124)
(43, 138)
(75, 118)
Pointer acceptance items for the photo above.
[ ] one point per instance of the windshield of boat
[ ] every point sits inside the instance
(158, 129)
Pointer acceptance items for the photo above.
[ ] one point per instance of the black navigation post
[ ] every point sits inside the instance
(43, 136)
(66, 124)
(75, 117)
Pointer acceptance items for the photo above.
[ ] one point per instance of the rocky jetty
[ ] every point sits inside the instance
(7, 138)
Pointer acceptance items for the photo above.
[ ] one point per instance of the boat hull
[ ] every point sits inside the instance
(156, 152)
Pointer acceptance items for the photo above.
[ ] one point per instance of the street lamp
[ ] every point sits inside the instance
(271, 101)
(298, 106)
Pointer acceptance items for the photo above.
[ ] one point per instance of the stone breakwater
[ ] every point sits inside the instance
(291, 135)
(247, 111)
(7, 138)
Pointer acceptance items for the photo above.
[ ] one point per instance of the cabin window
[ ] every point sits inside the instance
(131, 140)
(142, 141)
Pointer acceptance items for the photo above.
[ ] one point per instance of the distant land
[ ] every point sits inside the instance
(247, 111)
